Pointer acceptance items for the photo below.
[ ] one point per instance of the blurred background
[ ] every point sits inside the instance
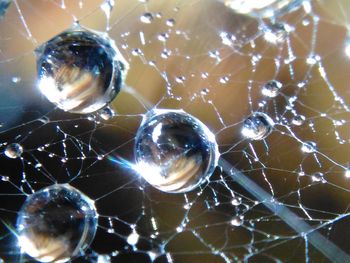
(202, 57)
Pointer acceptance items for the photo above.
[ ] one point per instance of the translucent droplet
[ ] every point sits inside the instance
(146, 18)
(163, 37)
(133, 238)
(271, 88)
(16, 79)
(298, 120)
(237, 221)
(170, 22)
(106, 113)
(174, 151)
(4, 4)
(258, 126)
(13, 150)
(347, 172)
(80, 71)
(236, 201)
(317, 177)
(56, 224)
(276, 33)
(308, 147)
(263, 8)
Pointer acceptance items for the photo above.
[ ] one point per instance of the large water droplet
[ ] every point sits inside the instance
(80, 71)
(258, 126)
(174, 151)
(56, 224)
(13, 150)
(263, 8)
(271, 88)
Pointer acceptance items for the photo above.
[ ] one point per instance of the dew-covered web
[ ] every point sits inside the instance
(283, 198)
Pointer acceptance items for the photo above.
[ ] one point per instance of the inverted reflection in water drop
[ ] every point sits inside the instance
(80, 71)
(258, 126)
(263, 8)
(174, 151)
(13, 150)
(271, 88)
(56, 224)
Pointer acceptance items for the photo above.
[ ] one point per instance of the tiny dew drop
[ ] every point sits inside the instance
(318, 177)
(271, 88)
(13, 150)
(258, 126)
(106, 113)
(309, 147)
(133, 238)
(146, 18)
(298, 120)
(347, 172)
(170, 22)
(237, 220)
(276, 33)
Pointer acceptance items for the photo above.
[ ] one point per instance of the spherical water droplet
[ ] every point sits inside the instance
(56, 223)
(308, 147)
(146, 18)
(163, 37)
(263, 8)
(258, 126)
(106, 113)
(298, 120)
(170, 22)
(317, 177)
(174, 151)
(133, 238)
(271, 88)
(236, 201)
(276, 33)
(80, 71)
(13, 150)
(347, 172)
(237, 221)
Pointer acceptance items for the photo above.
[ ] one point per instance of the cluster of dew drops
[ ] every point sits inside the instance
(82, 71)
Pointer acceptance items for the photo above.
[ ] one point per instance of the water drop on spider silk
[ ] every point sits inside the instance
(80, 71)
(13, 150)
(174, 151)
(263, 8)
(146, 18)
(56, 224)
(271, 88)
(276, 33)
(308, 147)
(258, 126)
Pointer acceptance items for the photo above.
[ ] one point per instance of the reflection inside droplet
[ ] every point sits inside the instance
(80, 71)
(174, 151)
(56, 224)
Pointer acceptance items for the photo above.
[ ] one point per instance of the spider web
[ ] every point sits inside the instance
(268, 201)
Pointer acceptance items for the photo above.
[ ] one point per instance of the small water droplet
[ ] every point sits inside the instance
(298, 120)
(309, 147)
(106, 113)
(170, 22)
(317, 177)
(271, 89)
(163, 37)
(236, 201)
(258, 126)
(15, 79)
(146, 18)
(237, 220)
(276, 33)
(13, 150)
(133, 238)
